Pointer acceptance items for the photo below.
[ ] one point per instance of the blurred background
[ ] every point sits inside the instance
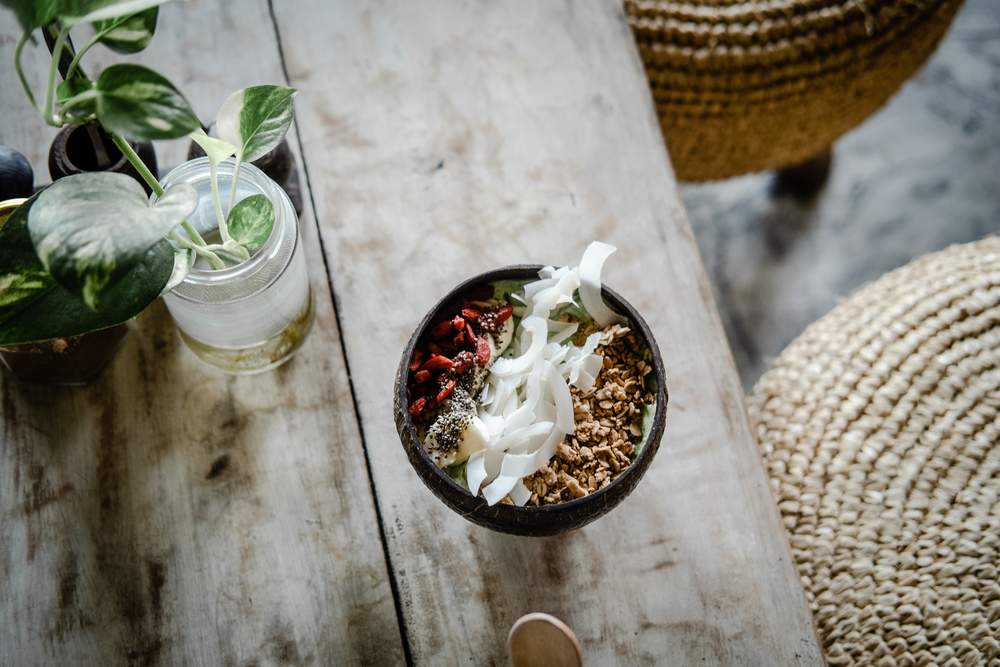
(921, 174)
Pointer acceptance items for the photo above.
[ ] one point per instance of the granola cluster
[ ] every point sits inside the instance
(608, 422)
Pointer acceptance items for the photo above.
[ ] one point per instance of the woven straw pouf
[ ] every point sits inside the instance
(880, 429)
(747, 85)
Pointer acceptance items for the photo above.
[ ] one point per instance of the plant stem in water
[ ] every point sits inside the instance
(210, 256)
(213, 175)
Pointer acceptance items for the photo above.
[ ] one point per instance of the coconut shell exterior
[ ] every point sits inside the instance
(527, 521)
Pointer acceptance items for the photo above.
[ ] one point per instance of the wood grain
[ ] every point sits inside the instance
(170, 514)
(445, 139)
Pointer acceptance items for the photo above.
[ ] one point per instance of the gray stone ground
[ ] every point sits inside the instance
(921, 174)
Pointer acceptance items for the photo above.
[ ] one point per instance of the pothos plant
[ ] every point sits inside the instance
(89, 251)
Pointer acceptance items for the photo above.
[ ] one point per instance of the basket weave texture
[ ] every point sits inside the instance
(880, 429)
(747, 85)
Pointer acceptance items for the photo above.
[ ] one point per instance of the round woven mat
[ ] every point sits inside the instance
(879, 427)
(747, 85)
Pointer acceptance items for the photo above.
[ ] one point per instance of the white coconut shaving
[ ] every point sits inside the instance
(526, 405)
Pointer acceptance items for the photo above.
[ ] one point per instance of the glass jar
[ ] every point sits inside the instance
(253, 316)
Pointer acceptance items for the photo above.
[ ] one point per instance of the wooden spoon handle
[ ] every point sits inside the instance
(540, 640)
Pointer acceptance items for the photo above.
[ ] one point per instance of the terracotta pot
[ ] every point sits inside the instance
(72, 152)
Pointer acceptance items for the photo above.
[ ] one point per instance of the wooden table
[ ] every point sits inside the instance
(170, 514)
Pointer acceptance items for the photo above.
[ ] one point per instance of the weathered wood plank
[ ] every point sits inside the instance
(444, 139)
(171, 514)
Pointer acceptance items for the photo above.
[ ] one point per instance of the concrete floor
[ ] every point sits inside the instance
(921, 174)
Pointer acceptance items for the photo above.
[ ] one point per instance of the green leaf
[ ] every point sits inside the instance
(23, 277)
(183, 261)
(70, 88)
(128, 34)
(251, 220)
(138, 103)
(92, 11)
(256, 119)
(90, 230)
(216, 149)
(60, 314)
(33, 13)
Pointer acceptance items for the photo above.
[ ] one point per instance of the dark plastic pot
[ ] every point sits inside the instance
(73, 152)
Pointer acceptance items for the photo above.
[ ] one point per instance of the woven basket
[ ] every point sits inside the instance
(747, 85)
(879, 427)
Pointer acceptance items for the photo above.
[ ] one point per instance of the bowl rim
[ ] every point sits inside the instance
(516, 271)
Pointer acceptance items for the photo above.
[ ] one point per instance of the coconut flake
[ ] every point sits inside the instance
(520, 493)
(565, 420)
(590, 284)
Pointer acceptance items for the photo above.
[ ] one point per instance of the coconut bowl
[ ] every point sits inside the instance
(528, 520)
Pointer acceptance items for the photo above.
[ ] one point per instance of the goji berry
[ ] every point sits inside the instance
(417, 360)
(440, 330)
(448, 347)
(417, 409)
(460, 339)
(448, 388)
(422, 376)
(472, 314)
(470, 335)
(463, 362)
(458, 322)
(481, 292)
(434, 349)
(437, 363)
(482, 351)
(494, 319)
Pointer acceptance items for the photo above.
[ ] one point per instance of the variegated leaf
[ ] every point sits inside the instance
(183, 261)
(256, 119)
(23, 278)
(216, 149)
(128, 34)
(89, 230)
(57, 313)
(33, 13)
(140, 104)
(91, 11)
(251, 220)
(78, 88)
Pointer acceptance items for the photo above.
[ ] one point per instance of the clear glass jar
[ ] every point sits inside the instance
(253, 316)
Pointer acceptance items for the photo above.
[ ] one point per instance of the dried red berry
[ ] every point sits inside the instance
(434, 349)
(470, 335)
(417, 409)
(417, 360)
(458, 323)
(422, 376)
(440, 330)
(472, 314)
(481, 293)
(463, 362)
(437, 363)
(482, 351)
(460, 339)
(448, 347)
(493, 320)
(448, 388)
